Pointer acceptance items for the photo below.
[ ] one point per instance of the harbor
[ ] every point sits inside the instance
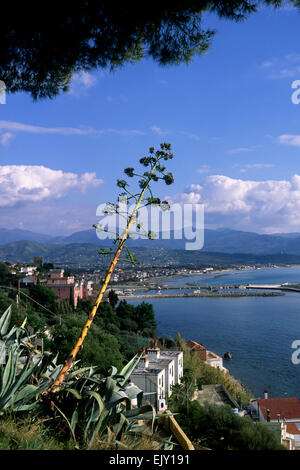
(195, 290)
(200, 294)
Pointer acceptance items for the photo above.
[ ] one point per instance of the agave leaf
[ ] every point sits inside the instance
(166, 443)
(103, 419)
(76, 373)
(11, 334)
(54, 360)
(29, 407)
(113, 371)
(99, 401)
(69, 424)
(54, 373)
(101, 425)
(21, 380)
(142, 413)
(2, 352)
(5, 321)
(137, 411)
(134, 427)
(46, 359)
(74, 421)
(135, 392)
(117, 428)
(75, 393)
(128, 369)
(24, 323)
(153, 417)
(9, 372)
(26, 393)
(114, 404)
(110, 386)
(89, 421)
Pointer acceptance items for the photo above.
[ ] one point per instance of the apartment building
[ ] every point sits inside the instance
(156, 372)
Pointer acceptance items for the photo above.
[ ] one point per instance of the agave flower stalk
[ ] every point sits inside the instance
(155, 168)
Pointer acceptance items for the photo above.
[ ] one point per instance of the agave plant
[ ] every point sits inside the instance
(24, 372)
(93, 406)
(106, 408)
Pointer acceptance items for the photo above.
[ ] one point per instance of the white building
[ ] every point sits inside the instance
(293, 433)
(156, 372)
(29, 270)
(151, 380)
(214, 360)
(178, 361)
(206, 355)
(166, 363)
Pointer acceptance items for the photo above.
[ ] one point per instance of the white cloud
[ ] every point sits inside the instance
(158, 130)
(289, 139)
(287, 72)
(260, 165)
(33, 129)
(284, 67)
(6, 138)
(26, 184)
(240, 149)
(262, 206)
(81, 82)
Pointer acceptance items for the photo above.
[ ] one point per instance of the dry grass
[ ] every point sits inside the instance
(128, 443)
(26, 435)
(33, 433)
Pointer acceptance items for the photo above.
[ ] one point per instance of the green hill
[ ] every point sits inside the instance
(87, 254)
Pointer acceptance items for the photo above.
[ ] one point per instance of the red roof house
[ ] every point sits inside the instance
(278, 409)
(201, 350)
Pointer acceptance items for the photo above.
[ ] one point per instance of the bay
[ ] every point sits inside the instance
(258, 331)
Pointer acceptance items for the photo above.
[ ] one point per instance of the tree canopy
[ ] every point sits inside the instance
(100, 348)
(219, 429)
(44, 44)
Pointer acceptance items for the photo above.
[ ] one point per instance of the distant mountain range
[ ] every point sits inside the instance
(220, 241)
(87, 255)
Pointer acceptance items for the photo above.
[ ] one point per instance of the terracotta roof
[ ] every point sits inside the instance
(212, 355)
(194, 345)
(292, 428)
(287, 407)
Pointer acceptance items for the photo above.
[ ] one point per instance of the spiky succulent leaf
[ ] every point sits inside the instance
(5, 321)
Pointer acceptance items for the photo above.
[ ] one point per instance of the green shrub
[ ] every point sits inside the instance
(218, 428)
(100, 347)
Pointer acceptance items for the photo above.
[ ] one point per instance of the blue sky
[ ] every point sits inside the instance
(229, 116)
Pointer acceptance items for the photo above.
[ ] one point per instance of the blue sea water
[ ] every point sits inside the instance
(258, 331)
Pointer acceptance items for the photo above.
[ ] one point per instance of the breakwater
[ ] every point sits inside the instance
(201, 294)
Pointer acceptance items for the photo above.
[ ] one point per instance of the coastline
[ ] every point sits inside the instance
(202, 294)
(255, 373)
(214, 273)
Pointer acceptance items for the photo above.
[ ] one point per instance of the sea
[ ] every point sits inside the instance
(258, 331)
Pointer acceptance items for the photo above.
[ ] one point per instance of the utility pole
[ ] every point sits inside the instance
(18, 296)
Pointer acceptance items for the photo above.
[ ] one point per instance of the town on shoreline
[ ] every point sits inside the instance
(141, 283)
